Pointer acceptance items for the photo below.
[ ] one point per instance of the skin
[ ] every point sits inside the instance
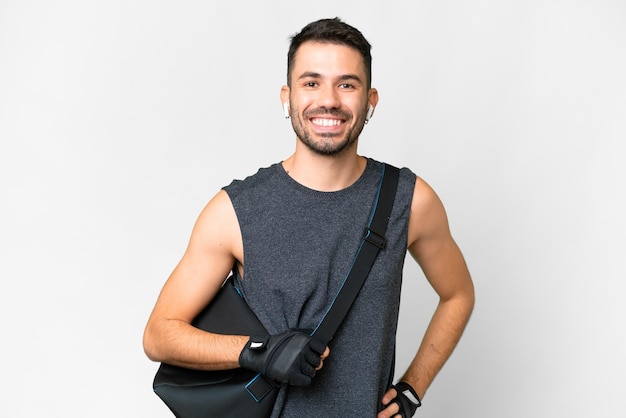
(327, 102)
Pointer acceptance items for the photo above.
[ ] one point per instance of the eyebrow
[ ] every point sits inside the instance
(344, 77)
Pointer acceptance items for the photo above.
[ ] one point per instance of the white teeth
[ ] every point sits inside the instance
(326, 122)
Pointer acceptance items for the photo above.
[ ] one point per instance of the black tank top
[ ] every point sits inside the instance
(298, 247)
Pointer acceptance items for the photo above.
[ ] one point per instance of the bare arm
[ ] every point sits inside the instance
(433, 247)
(214, 247)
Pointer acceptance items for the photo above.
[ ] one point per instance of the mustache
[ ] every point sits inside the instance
(326, 112)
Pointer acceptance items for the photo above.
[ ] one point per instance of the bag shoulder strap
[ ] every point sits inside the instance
(373, 242)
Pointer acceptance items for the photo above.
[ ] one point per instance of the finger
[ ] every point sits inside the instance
(326, 353)
(307, 368)
(391, 410)
(320, 366)
(312, 358)
(389, 396)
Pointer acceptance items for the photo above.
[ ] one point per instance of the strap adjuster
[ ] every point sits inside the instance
(259, 387)
(375, 238)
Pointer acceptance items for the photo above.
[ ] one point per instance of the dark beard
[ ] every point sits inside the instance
(327, 146)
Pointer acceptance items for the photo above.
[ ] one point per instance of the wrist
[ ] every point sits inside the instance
(415, 392)
(251, 346)
(407, 398)
(240, 344)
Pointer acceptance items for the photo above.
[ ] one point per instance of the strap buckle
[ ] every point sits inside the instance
(375, 238)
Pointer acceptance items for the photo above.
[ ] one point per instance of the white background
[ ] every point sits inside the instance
(120, 119)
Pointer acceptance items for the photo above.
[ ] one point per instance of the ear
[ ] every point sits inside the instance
(284, 95)
(372, 101)
(372, 97)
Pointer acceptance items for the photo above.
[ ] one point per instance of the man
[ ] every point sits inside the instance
(292, 230)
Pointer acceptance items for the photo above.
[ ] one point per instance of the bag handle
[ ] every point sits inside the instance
(373, 241)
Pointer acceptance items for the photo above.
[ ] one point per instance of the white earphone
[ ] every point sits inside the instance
(370, 113)
(286, 110)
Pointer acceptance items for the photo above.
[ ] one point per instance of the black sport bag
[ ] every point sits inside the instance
(222, 393)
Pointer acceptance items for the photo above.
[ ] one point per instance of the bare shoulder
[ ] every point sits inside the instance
(428, 216)
(217, 228)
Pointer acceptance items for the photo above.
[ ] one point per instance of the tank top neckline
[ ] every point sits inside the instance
(290, 182)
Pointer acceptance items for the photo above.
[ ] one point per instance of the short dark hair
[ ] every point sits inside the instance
(331, 31)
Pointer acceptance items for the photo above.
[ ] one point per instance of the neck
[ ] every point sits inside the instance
(324, 173)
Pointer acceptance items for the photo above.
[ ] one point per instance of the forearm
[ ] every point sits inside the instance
(179, 343)
(440, 339)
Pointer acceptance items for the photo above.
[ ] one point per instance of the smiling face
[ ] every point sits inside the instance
(328, 97)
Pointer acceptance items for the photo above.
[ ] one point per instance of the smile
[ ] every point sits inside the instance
(326, 122)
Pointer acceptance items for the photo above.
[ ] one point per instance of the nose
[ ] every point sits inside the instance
(329, 98)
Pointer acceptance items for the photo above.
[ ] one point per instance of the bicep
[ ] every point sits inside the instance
(214, 246)
(432, 246)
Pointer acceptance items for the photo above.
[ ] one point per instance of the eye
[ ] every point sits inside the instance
(310, 84)
(346, 86)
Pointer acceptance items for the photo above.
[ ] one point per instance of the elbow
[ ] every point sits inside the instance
(471, 296)
(469, 300)
(150, 347)
(468, 296)
(463, 300)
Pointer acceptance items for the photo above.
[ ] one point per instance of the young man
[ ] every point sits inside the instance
(291, 231)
